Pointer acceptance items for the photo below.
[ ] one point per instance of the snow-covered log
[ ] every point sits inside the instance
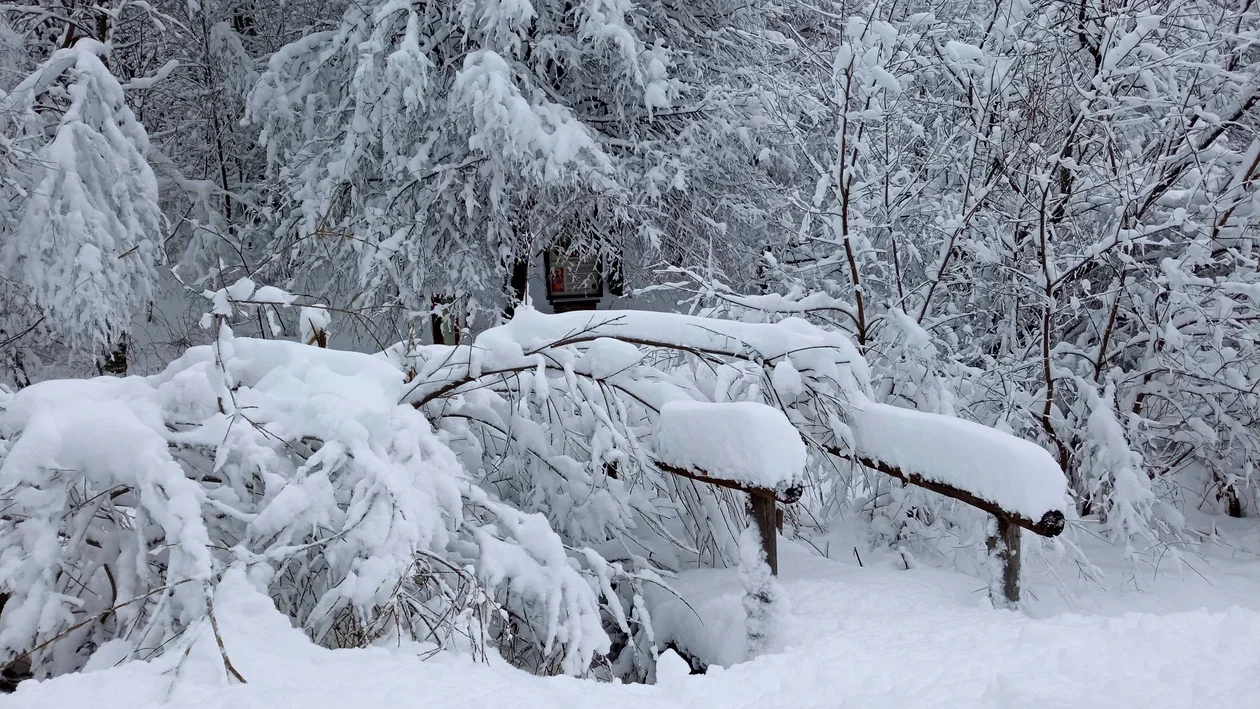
(1014, 480)
(741, 445)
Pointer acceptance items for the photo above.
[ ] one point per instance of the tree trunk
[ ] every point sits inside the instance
(445, 326)
(615, 276)
(115, 363)
(518, 284)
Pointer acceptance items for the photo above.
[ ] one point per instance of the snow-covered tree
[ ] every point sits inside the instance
(1040, 215)
(421, 150)
(82, 220)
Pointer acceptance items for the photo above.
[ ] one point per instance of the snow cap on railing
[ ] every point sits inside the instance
(1018, 476)
(744, 442)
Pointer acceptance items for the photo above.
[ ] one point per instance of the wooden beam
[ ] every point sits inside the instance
(787, 495)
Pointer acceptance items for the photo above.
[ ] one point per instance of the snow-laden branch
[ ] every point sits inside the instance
(518, 344)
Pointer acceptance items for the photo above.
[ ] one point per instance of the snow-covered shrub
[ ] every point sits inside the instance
(573, 415)
(123, 498)
(535, 497)
(558, 413)
(502, 493)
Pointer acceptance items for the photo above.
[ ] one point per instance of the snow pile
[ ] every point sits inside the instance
(314, 322)
(745, 442)
(606, 357)
(1017, 475)
(670, 667)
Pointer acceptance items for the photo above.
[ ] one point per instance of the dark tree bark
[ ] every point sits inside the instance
(518, 284)
(115, 363)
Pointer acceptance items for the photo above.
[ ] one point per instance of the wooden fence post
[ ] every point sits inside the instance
(764, 513)
(1004, 551)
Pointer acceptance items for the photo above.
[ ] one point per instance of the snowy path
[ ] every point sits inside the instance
(860, 638)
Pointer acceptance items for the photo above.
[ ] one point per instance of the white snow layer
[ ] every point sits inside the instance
(670, 667)
(873, 638)
(1013, 473)
(746, 442)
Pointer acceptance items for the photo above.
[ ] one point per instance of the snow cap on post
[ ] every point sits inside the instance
(752, 445)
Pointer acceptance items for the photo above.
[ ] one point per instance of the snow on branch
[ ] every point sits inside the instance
(514, 345)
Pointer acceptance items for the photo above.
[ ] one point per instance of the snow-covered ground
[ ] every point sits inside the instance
(873, 636)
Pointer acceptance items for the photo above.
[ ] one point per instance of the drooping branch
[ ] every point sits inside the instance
(708, 340)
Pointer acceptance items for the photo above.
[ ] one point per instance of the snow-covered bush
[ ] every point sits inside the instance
(123, 498)
(558, 414)
(535, 496)
(506, 493)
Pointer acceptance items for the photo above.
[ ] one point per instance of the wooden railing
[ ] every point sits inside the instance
(762, 506)
(1003, 543)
